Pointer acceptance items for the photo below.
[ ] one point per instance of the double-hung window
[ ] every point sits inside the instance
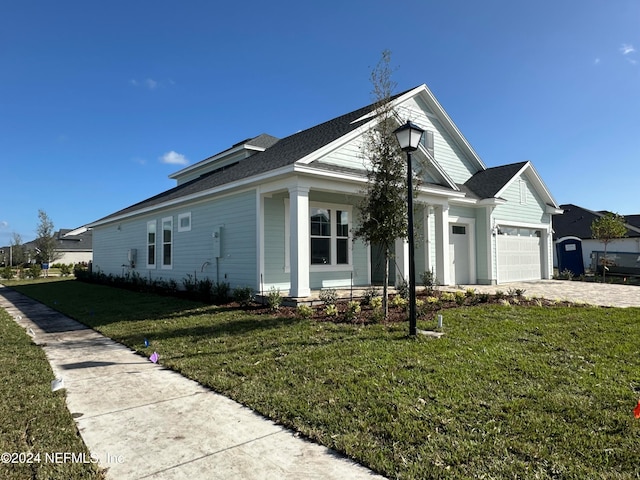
(167, 242)
(151, 244)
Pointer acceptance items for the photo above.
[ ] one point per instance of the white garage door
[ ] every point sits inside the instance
(518, 258)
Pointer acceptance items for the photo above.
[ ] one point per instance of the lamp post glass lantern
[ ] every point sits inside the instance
(409, 136)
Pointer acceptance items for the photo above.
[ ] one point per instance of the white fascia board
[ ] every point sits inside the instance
(442, 115)
(337, 143)
(536, 180)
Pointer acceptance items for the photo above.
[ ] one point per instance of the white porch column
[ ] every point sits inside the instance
(443, 264)
(299, 242)
(401, 264)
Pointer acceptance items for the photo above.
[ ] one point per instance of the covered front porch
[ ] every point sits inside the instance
(306, 243)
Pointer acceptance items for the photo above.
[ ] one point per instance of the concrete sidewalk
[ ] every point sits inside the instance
(144, 421)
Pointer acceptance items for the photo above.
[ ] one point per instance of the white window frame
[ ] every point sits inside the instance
(315, 267)
(163, 243)
(151, 223)
(333, 266)
(181, 217)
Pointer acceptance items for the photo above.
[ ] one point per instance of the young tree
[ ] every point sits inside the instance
(608, 228)
(45, 242)
(383, 210)
(18, 254)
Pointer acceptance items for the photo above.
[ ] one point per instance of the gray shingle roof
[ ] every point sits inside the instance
(278, 153)
(487, 183)
(576, 222)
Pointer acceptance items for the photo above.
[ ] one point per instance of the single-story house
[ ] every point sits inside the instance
(572, 233)
(271, 212)
(72, 247)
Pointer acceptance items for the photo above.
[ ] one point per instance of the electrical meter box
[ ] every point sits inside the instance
(217, 242)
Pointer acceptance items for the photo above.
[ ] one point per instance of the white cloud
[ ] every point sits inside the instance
(149, 83)
(174, 158)
(4, 224)
(627, 48)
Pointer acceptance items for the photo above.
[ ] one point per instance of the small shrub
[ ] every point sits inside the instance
(369, 294)
(204, 289)
(447, 297)
(499, 294)
(399, 301)
(433, 300)
(516, 292)
(304, 311)
(7, 272)
(376, 303)
(483, 297)
(429, 281)
(460, 297)
(34, 271)
(403, 288)
(470, 292)
(243, 295)
(331, 310)
(65, 270)
(566, 274)
(421, 307)
(221, 293)
(329, 296)
(353, 310)
(189, 283)
(274, 299)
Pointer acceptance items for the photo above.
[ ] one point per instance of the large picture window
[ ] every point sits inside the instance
(151, 244)
(329, 231)
(167, 242)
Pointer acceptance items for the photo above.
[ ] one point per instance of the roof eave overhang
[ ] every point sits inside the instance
(541, 188)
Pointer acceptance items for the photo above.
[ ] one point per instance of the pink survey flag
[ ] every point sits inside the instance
(154, 357)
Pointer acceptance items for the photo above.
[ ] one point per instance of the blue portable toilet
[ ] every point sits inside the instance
(569, 252)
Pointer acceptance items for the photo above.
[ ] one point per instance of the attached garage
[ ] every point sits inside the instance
(519, 255)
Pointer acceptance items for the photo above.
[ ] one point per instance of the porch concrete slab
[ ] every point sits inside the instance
(601, 294)
(145, 421)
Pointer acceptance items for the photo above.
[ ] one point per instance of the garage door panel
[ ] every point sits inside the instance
(519, 258)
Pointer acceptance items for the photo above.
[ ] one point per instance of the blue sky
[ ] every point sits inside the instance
(101, 101)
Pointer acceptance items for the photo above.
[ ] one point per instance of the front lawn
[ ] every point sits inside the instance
(37, 429)
(508, 392)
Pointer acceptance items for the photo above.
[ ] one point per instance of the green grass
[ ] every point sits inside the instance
(508, 392)
(33, 419)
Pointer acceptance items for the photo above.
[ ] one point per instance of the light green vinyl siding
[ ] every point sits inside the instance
(446, 151)
(458, 211)
(533, 211)
(274, 240)
(193, 252)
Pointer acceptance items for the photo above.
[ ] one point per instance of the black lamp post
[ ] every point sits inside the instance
(408, 136)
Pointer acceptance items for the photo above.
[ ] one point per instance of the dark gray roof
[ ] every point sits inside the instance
(576, 222)
(487, 183)
(278, 153)
(82, 241)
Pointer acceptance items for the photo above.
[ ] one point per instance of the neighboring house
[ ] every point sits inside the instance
(574, 228)
(280, 213)
(72, 246)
